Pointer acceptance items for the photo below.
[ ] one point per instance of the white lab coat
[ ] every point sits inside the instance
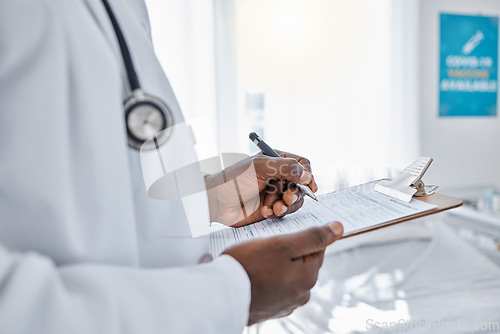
(83, 248)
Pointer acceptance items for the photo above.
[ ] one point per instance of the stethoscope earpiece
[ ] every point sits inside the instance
(145, 116)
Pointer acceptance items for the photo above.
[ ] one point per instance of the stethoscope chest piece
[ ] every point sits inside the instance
(147, 117)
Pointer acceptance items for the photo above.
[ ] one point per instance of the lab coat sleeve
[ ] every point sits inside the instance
(38, 297)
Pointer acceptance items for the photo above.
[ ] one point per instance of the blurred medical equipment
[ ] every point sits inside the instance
(478, 221)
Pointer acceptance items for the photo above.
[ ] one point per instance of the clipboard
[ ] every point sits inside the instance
(442, 202)
(319, 213)
(407, 185)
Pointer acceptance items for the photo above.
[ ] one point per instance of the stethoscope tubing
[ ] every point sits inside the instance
(127, 58)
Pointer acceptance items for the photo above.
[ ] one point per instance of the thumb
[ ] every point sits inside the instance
(315, 239)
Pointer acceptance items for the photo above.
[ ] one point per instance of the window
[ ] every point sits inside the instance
(333, 80)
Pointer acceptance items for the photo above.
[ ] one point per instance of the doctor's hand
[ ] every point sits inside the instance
(283, 270)
(258, 187)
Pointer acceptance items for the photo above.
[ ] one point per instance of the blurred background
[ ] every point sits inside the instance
(357, 87)
(350, 84)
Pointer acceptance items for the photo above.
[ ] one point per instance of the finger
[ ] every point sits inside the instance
(312, 268)
(284, 313)
(314, 239)
(313, 185)
(309, 269)
(303, 161)
(273, 193)
(267, 211)
(280, 208)
(281, 168)
(292, 194)
(304, 298)
(313, 261)
(294, 207)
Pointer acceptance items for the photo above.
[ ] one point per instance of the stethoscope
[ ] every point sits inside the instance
(146, 116)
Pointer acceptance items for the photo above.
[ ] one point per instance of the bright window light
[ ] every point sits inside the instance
(326, 79)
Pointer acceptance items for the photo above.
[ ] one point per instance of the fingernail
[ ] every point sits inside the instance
(269, 211)
(305, 177)
(294, 198)
(283, 209)
(337, 228)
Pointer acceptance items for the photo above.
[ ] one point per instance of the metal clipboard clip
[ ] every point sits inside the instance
(409, 183)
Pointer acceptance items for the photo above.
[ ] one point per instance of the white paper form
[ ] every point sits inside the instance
(356, 208)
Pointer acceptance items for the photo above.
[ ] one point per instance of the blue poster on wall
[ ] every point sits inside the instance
(468, 66)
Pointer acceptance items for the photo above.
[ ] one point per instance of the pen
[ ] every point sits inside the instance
(267, 150)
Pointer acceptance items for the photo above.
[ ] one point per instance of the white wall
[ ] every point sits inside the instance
(184, 43)
(337, 84)
(466, 150)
